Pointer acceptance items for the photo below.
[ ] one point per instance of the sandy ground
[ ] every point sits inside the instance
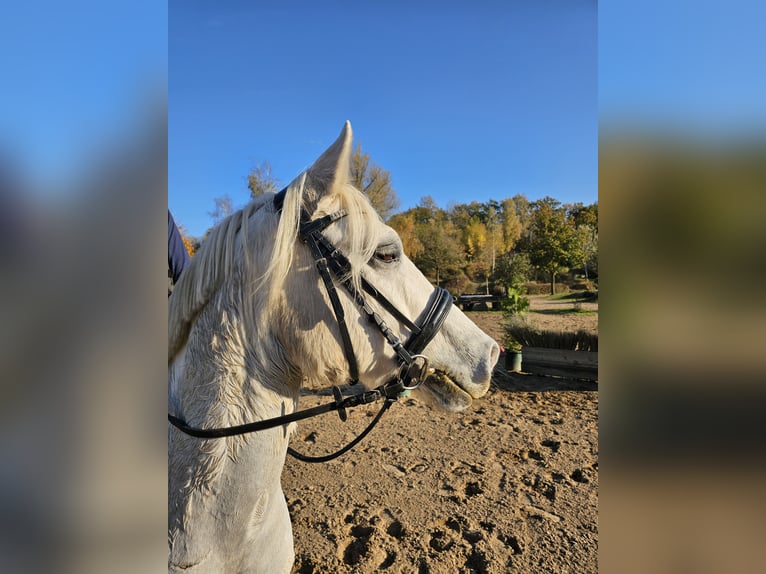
(511, 485)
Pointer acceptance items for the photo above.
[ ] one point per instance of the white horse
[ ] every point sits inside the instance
(251, 320)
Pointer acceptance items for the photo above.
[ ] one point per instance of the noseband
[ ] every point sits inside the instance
(413, 366)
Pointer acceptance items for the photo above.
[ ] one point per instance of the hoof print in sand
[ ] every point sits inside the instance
(359, 546)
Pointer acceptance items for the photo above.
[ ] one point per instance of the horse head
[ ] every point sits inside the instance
(461, 355)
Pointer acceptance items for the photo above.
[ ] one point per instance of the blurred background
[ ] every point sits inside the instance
(83, 192)
(682, 182)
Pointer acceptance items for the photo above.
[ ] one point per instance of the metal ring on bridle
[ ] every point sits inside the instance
(406, 375)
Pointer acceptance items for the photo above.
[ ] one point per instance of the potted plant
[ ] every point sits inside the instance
(513, 356)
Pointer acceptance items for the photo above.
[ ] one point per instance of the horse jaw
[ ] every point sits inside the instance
(441, 391)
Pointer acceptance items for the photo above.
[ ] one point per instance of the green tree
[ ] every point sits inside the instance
(442, 255)
(585, 220)
(261, 180)
(426, 211)
(552, 242)
(374, 182)
(514, 269)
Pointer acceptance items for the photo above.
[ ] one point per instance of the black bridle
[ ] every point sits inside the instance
(413, 366)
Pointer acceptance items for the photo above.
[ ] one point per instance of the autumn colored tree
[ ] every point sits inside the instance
(483, 234)
(499, 242)
(374, 181)
(404, 225)
(474, 238)
(511, 225)
(523, 211)
(190, 243)
(495, 243)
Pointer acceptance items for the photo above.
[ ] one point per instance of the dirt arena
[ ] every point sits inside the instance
(511, 485)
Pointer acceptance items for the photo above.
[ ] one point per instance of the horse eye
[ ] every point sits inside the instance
(387, 256)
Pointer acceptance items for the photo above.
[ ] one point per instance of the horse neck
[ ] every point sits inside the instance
(225, 499)
(226, 390)
(229, 374)
(212, 385)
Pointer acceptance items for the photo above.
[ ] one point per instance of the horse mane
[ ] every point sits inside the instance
(219, 254)
(215, 260)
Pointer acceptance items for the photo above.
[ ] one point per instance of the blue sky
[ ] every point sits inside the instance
(691, 66)
(461, 101)
(76, 75)
(458, 100)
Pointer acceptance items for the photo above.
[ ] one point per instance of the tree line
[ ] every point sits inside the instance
(493, 247)
(498, 246)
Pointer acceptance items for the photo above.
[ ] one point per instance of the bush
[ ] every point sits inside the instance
(528, 336)
(583, 285)
(515, 303)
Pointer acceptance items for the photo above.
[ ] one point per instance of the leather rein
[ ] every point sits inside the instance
(413, 366)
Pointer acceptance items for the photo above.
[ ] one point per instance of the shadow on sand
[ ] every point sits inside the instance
(529, 383)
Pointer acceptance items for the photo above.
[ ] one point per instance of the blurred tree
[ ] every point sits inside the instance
(261, 180)
(374, 182)
(523, 211)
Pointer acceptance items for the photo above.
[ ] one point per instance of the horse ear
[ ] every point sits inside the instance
(331, 170)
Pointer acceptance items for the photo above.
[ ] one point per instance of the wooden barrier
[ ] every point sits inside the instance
(560, 363)
(468, 302)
